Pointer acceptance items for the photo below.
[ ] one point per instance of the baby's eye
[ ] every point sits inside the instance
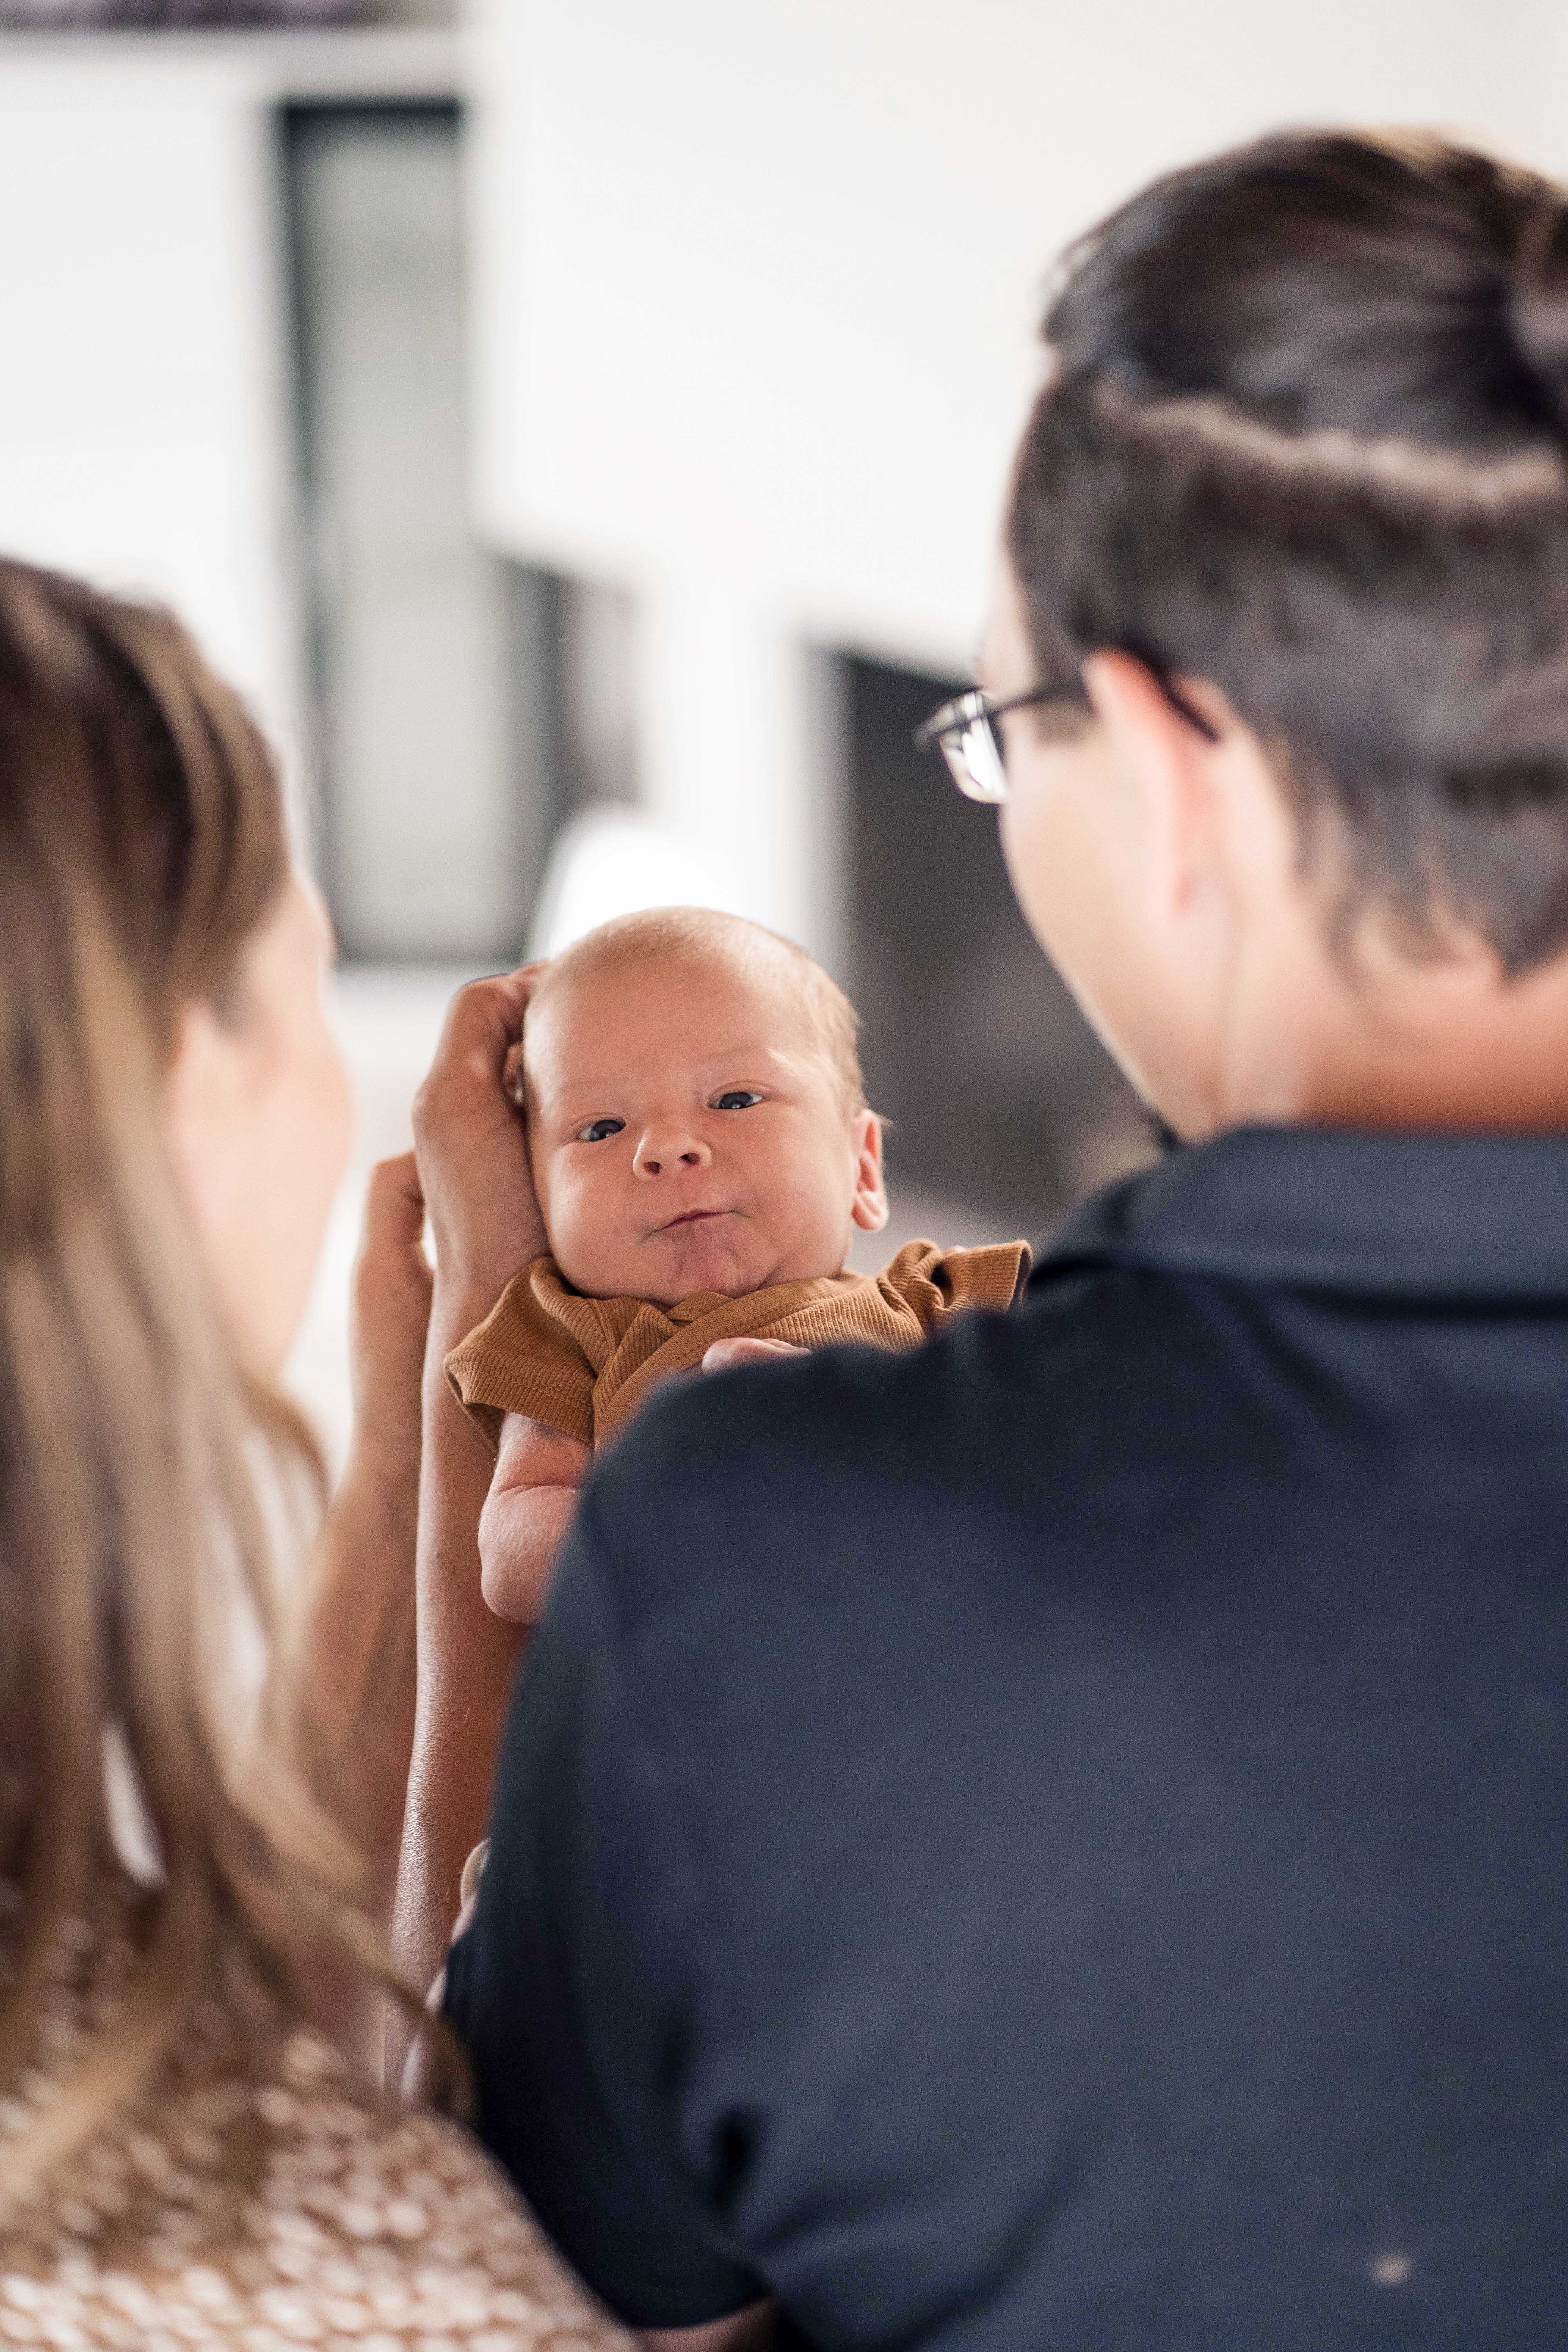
(597, 1129)
(736, 1098)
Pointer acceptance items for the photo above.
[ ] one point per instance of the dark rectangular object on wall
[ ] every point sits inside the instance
(1002, 1098)
(435, 664)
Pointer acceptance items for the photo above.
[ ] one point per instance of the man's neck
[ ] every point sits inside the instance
(1382, 1040)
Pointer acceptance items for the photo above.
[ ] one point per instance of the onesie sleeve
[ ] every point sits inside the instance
(522, 1359)
(934, 1284)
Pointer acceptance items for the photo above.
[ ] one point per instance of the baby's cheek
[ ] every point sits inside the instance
(542, 1167)
(582, 1235)
(558, 1205)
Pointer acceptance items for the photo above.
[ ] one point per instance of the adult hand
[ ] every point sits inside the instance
(343, 1695)
(389, 1313)
(725, 1355)
(485, 1222)
(469, 1144)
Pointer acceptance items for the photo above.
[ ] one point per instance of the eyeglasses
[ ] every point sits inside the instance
(966, 731)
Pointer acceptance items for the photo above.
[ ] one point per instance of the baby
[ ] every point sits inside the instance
(702, 1151)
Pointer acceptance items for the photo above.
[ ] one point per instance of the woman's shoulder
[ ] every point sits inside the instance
(260, 2191)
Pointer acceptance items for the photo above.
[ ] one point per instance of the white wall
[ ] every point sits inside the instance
(139, 415)
(757, 291)
(145, 375)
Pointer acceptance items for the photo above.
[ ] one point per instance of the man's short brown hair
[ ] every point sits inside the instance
(1306, 434)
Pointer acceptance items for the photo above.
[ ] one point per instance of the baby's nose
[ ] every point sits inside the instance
(660, 1153)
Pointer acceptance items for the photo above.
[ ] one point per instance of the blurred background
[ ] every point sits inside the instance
(579, 424)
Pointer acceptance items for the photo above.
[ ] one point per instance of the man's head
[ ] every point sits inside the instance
(696, 1114)
(1303, 453)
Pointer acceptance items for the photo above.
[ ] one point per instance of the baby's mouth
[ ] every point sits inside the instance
(694, 1216)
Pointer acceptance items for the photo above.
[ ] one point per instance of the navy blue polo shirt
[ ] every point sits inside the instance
(1061, 1838)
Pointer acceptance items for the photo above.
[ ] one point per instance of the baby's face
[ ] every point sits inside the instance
(687, 1133)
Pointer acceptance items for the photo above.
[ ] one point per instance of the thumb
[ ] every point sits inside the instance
(725, 1355)
(393, 1206)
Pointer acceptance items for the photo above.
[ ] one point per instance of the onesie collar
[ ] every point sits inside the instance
(795, 1293)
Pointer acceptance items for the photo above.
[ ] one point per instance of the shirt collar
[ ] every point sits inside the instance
(1460, 1216)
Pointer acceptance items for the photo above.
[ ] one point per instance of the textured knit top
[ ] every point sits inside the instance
(259, 2195)
(584, 1365)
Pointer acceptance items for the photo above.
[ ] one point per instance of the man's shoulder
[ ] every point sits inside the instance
(849, 1400)
(860, 1430)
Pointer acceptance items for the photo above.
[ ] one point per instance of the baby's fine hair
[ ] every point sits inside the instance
(701, 937)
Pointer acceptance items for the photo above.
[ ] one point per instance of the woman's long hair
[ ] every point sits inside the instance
(142, 841)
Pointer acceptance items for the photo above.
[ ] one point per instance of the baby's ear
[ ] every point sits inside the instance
(870, 1208)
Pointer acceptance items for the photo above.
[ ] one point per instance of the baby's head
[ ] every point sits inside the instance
(696, 1114)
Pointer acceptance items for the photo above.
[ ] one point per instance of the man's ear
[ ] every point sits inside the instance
(870, 1208)
(1168, 765)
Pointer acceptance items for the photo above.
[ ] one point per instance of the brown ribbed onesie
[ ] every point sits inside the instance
(584, 1365)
